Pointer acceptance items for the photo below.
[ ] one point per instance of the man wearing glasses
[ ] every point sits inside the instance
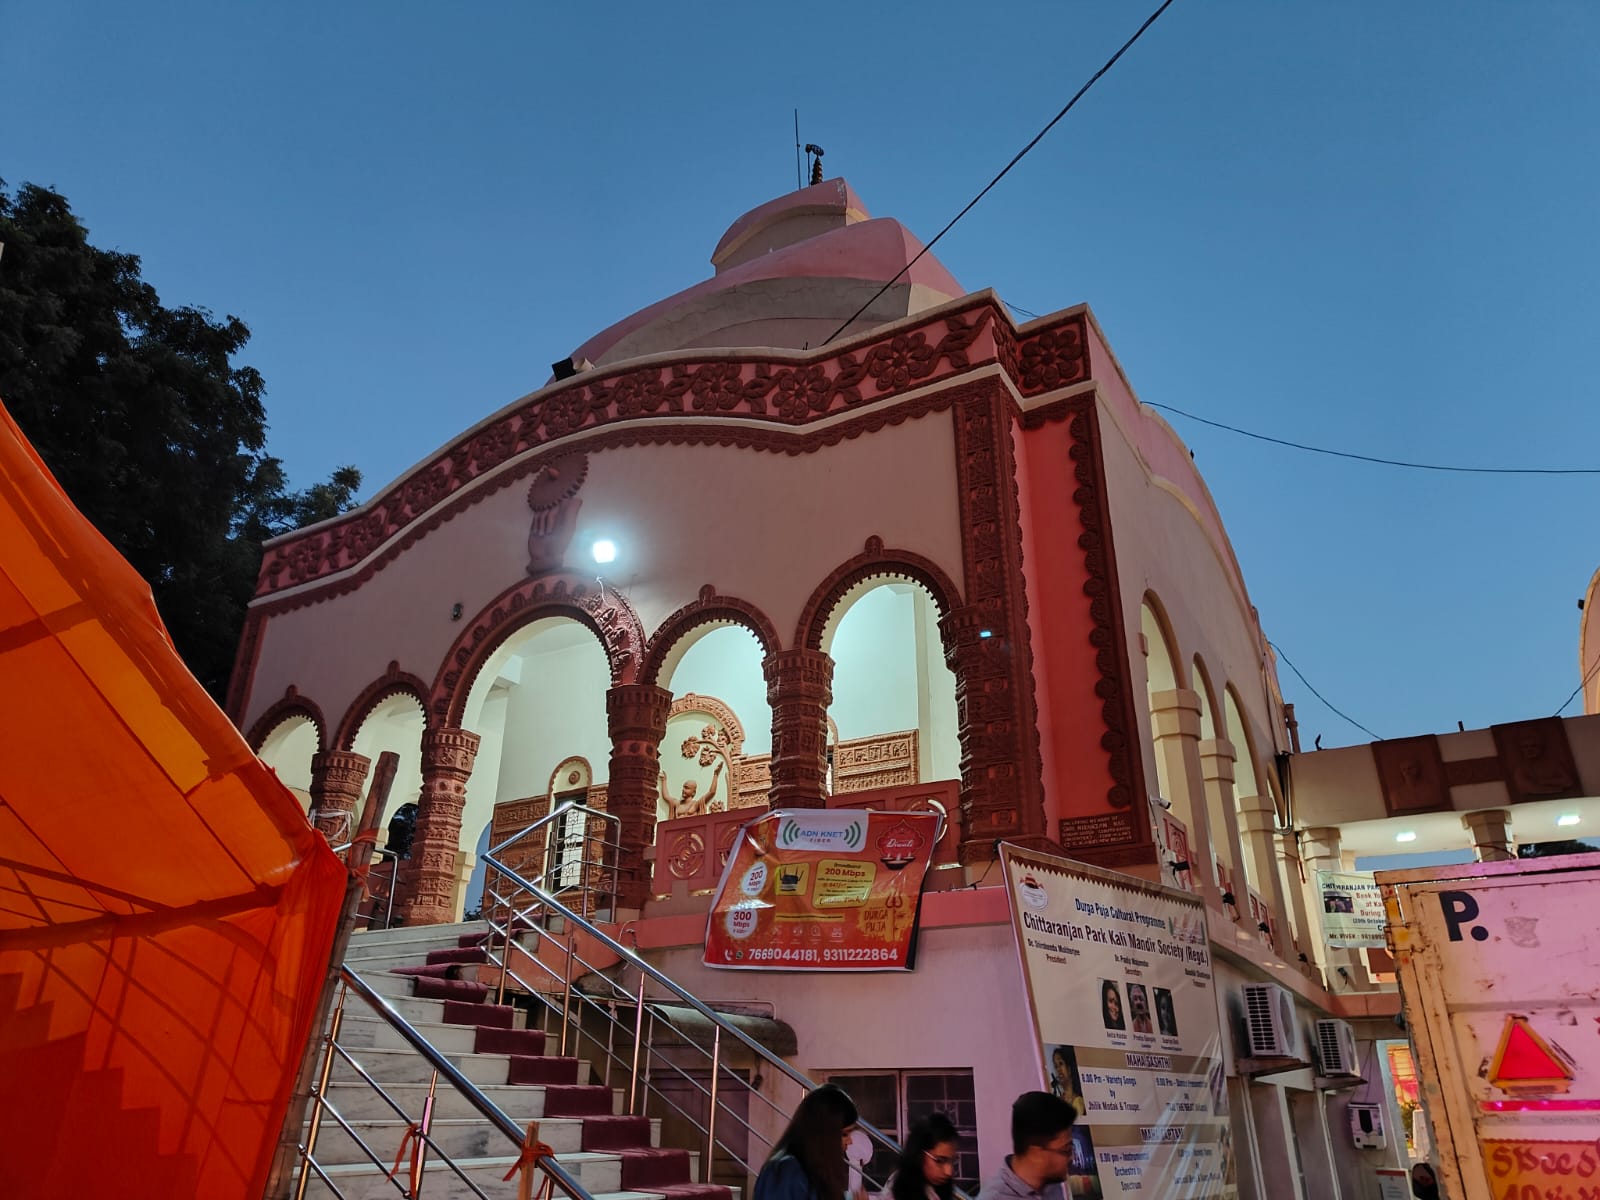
(1041, 1144)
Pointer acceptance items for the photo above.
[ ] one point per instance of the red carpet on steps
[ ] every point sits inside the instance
(467, 1012)
(615, 1133)
(428, 988)
(462, 955)
(544, 1071)
(644, 1167)
(510, 1041)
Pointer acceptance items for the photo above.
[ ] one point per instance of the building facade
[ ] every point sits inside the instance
(822, 530)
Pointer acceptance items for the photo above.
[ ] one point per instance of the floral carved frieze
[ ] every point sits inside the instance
(777, 392)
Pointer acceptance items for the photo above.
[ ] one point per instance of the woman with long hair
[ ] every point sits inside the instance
(808, 1163)
(927, 1162)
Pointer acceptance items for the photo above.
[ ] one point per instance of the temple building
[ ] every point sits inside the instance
(795, 538)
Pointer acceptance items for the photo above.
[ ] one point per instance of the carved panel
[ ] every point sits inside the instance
(884, 760)
(553, 498)
(691, 851)
(1411, 774)
(942, 796)
(1536, 760)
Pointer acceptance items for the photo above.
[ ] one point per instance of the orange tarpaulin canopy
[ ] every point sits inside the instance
(166, 912)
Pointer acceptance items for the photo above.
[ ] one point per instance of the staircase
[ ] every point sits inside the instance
(429, 975)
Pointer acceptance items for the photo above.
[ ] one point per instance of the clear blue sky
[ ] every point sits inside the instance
(1363, 225)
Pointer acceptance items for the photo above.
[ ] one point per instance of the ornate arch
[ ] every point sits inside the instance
(393, 682)
(874, 562)
(712, 707)
(604, 611)
(291, 704)
(707, 609)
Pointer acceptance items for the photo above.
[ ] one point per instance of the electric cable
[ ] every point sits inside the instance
(1386, 462)
(1320, 696)
(1093, 79)
(1582, 683)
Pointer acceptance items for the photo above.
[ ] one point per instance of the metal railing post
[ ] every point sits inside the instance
(638, 1038)
(321, 1094)
(711, 1113)
(566, 990)
(419, 1157)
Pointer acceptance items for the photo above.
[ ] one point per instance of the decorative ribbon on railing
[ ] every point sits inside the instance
(413, 1142)
(533, 1151)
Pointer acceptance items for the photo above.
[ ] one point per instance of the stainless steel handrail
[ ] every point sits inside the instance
(656, 1013)
(665, 981)
(491, 1111)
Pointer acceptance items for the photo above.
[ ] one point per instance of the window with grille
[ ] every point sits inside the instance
(894, 1100)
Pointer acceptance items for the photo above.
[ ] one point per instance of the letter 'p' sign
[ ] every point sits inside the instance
(1460, 911)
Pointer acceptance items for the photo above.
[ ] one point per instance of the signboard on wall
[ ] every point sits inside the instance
(822, 890)
(1352, 909)
(1119, 981)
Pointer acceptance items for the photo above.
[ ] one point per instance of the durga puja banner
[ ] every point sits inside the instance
(822, 890)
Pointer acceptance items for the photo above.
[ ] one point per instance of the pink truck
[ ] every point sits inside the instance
(1499, 968)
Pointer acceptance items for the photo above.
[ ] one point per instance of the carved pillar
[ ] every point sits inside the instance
(428, 889)
(636, 714)
(1175, 725)
(799, 688)
(337, 777)
(987, 643)
(1491, 834)
(991, 785)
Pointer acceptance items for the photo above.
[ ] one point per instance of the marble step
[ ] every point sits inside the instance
(407, 1066)
(439, 1182)
(456, 1139)
(435, 936)
(355, 1101)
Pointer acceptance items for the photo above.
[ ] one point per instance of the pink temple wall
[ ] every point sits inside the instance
(764, 527)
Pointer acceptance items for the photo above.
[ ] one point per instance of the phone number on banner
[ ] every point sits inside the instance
(853, 954)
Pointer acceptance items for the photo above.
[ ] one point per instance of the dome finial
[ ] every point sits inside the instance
(815, 151)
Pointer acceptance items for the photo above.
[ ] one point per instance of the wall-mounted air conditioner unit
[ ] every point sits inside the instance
(1336, 1049)
(1271, 1030)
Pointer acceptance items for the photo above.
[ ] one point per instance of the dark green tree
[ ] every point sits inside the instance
(148, 422)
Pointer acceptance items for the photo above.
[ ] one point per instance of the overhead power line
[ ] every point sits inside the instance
(1375, 737)
(1370, 458)
(1582, 683)
(1093, 79)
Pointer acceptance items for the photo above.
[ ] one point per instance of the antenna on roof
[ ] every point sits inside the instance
(799, 179)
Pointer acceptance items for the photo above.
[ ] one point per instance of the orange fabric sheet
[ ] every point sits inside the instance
(166, 912)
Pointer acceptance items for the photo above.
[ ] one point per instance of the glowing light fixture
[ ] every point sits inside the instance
(1407, 836)
(986, 633)
(1568, 819)
(605, 550)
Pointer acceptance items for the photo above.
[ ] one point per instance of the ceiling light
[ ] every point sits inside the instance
(605, 550)
(1408, 836)
(1568, 819)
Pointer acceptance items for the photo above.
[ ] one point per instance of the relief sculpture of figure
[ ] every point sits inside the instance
(690, 805)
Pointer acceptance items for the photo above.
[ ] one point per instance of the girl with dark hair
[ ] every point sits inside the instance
(808, 1161)
(1111, 1005)
(927, 1162)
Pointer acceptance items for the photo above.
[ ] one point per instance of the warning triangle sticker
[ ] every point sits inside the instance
(1525, 1062)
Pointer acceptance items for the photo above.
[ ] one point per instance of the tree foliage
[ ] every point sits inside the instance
(148, 422)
